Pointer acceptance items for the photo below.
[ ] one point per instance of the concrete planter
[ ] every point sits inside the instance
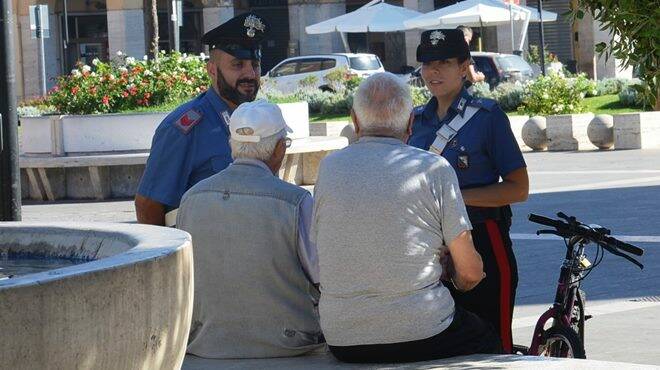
(569, 132)
(62, 135)
(129, 307)
(333, 128)
(637, 130)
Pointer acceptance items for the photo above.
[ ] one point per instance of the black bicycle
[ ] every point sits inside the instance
(564, 336)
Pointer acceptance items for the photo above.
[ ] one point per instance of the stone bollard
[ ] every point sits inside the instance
(568, 132)
(637, 130)
(534, 133)
(601, 131)
(517, 124)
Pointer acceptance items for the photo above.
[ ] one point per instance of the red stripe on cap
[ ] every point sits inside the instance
(505, 284)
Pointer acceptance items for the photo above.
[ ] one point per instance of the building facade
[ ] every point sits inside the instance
(100, 28)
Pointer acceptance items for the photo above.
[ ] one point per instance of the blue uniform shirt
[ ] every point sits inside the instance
(486, 140)
(191, 144)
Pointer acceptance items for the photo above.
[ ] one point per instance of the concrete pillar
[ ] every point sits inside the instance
(217, 13)
(126, 28)
(584, 48)
(302, 14)
(412, 37)
(18, 55)
(611, 67)
(30, 56)
(126, 32)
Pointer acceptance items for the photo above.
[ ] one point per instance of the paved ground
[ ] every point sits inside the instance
(619, 189)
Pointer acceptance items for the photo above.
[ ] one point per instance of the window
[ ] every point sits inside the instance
(285, 69)
(328, 64)
(513, 63)
(365, 63)
(310, 65)
(482, 64)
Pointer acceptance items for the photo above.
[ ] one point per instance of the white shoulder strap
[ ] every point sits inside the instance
(447, 132)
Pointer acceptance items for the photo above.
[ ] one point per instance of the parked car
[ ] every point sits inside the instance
(496, 67)
(286, 75)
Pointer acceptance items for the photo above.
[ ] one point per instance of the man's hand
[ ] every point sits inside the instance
(148, 211)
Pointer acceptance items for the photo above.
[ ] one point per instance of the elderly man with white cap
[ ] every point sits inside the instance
(255, 269)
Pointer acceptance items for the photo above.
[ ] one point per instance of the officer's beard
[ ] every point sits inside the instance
(232, 94)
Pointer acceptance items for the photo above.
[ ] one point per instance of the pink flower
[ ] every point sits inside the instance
(106, 100)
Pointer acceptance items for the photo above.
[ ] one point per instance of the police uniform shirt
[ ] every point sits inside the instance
(482, 151)
(191, 144)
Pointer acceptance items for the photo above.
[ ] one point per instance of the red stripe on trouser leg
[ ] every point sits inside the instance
(505, 284)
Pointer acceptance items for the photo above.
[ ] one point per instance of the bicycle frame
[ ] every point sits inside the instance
(566, 293)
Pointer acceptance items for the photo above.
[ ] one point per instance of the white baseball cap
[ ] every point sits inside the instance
(256, 120)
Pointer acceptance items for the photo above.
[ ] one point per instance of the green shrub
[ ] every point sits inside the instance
(630, 97)
(420, 95)
(509, 95)
(482, 90)
(611, 86)
(552, 94)
(308, 82)
(584, 85)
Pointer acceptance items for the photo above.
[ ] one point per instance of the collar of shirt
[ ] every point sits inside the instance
(457, 106)
(217, 103)
(253, 162)
(380, 139)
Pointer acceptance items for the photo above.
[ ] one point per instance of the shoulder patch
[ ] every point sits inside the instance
(419, 110)
(487, 104)
(188, 120)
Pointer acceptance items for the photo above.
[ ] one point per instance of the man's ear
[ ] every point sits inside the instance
(280, 148)
(356, 124)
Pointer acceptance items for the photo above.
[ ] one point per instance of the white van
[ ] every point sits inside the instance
(286, 76)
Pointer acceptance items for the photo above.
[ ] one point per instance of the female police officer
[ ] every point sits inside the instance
(475, 136)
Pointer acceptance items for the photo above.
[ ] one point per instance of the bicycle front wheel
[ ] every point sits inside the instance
(561, 341)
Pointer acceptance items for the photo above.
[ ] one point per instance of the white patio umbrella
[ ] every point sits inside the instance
(380, 17)
(473, 13)
(373, 17)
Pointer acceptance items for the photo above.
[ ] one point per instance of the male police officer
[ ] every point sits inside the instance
(475, 136)
(191, 144)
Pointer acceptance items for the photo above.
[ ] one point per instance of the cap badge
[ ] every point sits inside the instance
(253, 23)
(436, 36)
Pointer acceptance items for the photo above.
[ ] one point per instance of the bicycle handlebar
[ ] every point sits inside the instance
(574, 228)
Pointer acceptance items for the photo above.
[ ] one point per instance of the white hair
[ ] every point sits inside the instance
(383, 103)
(262, 150)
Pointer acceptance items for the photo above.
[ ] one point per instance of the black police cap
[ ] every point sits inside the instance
(441, 45)
(240, 36)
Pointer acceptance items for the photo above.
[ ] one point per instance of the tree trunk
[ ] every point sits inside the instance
(154, 28)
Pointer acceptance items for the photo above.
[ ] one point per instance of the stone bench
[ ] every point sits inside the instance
(102, 175)
(327, 362)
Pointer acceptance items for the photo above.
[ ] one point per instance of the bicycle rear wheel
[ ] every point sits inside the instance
(561, 341)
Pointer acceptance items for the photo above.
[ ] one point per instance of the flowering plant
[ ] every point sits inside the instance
(127, 84)
(552, 94)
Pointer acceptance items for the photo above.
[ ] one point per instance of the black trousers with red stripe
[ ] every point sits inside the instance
(494, 297)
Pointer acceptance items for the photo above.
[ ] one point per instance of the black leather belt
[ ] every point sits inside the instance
(481, 214)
